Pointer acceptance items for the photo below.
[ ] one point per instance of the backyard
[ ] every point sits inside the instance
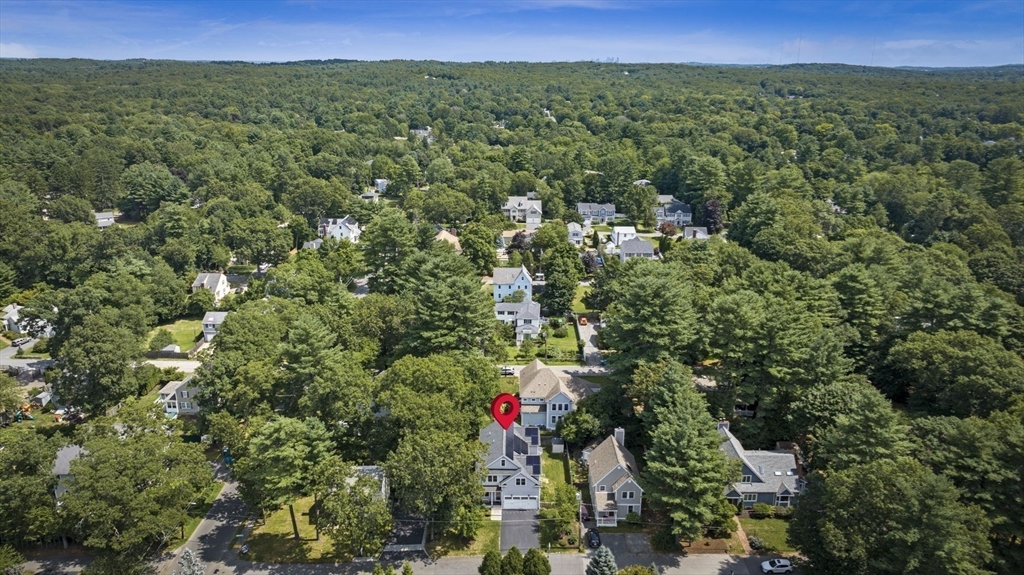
(554, 472)
(487, 537)
(184, 332)
(774, 533)
(577, 302)
(274, 541)
(557, 351)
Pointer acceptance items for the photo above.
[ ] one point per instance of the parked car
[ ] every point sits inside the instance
(507, 370)
(21, 341)
(593, 538)
(584, 513)
(583, 321)
(776, 566)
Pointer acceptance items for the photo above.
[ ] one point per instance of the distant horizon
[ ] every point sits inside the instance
(883, 34)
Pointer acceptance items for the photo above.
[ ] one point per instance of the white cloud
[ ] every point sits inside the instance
(16, 51)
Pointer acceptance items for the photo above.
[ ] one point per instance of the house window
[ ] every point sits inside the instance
(628, 494)
(184, 395)
(492, 479)
(611, 496)
(600, 488)
(172, 405)
(782, 500)
(186, 405)
(749, 497)
(629, 509)
(744, 479)
(520, 481)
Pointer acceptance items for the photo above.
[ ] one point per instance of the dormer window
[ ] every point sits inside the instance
(744, 479)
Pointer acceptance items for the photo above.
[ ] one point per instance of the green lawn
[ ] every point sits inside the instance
(487, 538)
(184, 331)
(771, 531)
(274, 541)
(509, 385)
(577, 302)
(601, 228)
(3, 343)
(599, 380)
(554, 471)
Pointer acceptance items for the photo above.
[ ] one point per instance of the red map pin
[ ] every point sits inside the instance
(505, 409)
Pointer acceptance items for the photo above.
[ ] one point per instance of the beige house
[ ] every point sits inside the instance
(546, 395)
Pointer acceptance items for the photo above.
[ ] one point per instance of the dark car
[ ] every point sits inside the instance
(584, 513)
(593, 538)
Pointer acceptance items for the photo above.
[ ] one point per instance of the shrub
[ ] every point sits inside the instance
(756, 543)
(161, 339)
(560, 332)
(783, 512)
(557, 323)
(572, 540)
(633, 518)
(762, 510)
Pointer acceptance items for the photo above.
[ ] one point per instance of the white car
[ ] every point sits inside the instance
(776, 566)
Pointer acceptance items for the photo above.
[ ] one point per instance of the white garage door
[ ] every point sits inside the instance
(520, 502)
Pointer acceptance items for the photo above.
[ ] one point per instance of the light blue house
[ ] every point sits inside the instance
(769, 477)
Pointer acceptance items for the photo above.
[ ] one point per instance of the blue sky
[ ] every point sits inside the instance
(906, 33)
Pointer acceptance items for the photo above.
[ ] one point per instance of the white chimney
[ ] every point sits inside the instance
(620, 436)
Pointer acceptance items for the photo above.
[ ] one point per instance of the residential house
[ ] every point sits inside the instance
(665, 199)
(508, 280)
(769, 477)
(346, 228)
(690, 233)
(612, 472)
(211, 324)
(636, 248)
(179, 398)
(599, 213)
(215, 282)
(370, 196)
(676, 213)
(575, 234)
(546, 395)
(376, 472)
(519, 208)
(427, 134)
(382, 185)
(104, 219)
(313, 245)
(513, 466)
(12, 319)
(62, 468)
(45, 398)
(446, 236)
(523, 316)
(622, 233)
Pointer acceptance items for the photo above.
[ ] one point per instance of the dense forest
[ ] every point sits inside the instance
(862, 292)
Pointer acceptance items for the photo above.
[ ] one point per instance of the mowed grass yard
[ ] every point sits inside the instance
(554, 471)
(577, 302)
(772, 531)
(487, 538)
(184, 331)
(274, 541)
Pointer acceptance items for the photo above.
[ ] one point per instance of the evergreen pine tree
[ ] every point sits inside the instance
(491, 564)
(536, 563)
(685, 468)
(603, 563)
(512, 563)
(406, 568)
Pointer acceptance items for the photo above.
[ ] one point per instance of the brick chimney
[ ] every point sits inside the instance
(723, 424)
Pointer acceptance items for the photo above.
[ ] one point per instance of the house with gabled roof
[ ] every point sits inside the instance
(179, 398)
(104, 219)
(575, 234)
(612, 473)
(513, 465)
(546, 395)
(446, 236)
(62, 468)
(522, 209)
(770, 477)
(636, 248)
(675, 212)
(346, 228)
(600, 213)
(211, 324)
(524, 317)
(217, 283)
(695, 233)
(506, 281)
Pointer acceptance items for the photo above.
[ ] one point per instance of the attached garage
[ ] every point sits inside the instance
(520, 502)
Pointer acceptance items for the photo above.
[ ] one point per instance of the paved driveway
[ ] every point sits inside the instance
(623, 544)
(519, 529)
(590, 352)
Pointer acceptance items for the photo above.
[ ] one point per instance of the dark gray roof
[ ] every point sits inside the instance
(505, 276)
(678, 206)
(513, 444)
(65, 455)
(774, 471)
(207, 280)
(594, 208)
(522, 310)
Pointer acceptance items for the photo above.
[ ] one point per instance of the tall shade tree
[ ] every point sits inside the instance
(389, 239)
(478, 246)
(451, 314)
(134, 508)
(686, 470)
(27, 511)
(278, 467)
(95, 368)
(888, 517)
(352, 509)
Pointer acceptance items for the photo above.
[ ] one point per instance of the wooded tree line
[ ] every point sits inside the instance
(875, 227)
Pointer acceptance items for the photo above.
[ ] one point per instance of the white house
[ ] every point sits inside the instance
(104, 219)
(382, 185)
(508, 280)
(600, 213)
(513, 466)
(524, 316)
(211, 324)
(613, 486)
(770, 477)
(575, 234)
(676, 213)
(636, 248)
(12, 319)
(313, 245)
(546, 395)
(339, 228)
(215, 282)
(179, 398)
(518, 208)
(622, 233)
(695, 233)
